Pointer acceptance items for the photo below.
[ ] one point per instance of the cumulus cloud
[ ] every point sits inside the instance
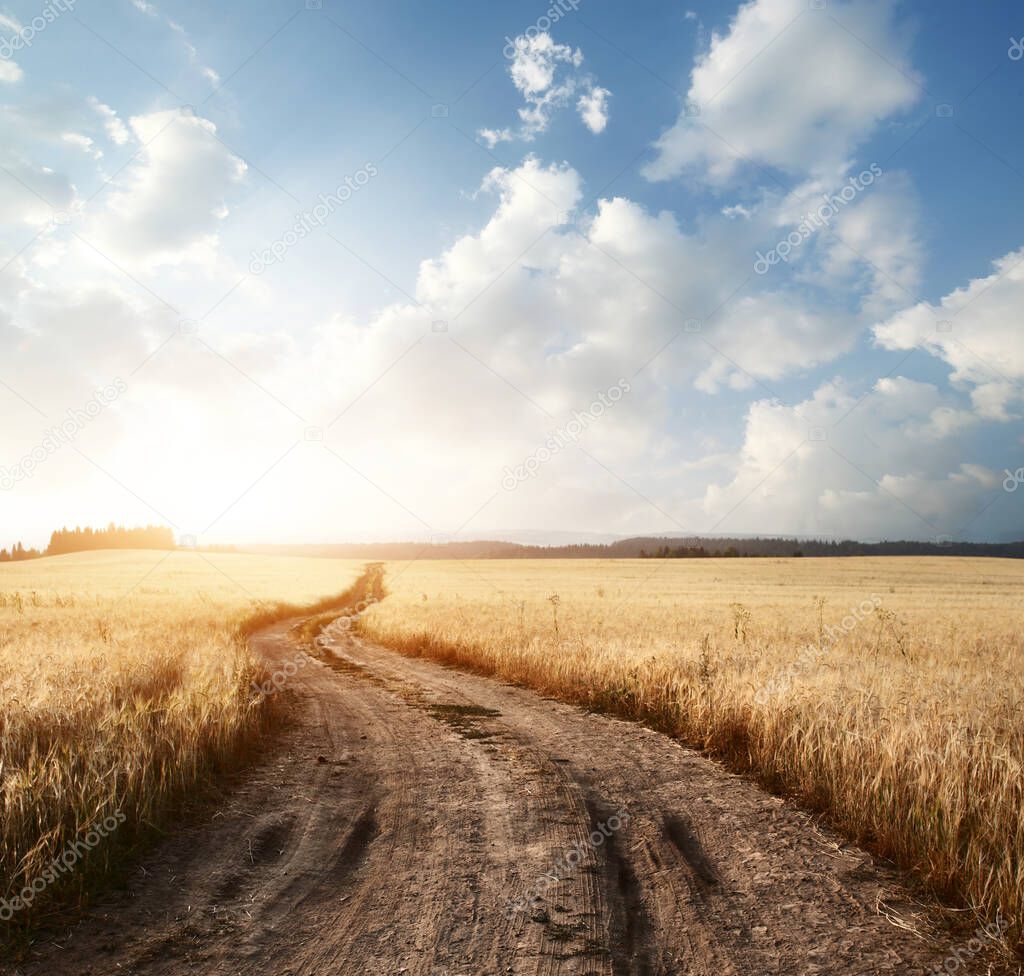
(771, 334)
(542, 316)
(536, 61)
(542, 312)
(878, 238)
(171, 199)
(869, 243)
(584, 305)
(749, 99)
(976, 330)
(548, 77)
(625, 284)
(839, 464)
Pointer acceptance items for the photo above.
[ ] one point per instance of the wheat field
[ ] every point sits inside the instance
(884, 693)
(125, 682)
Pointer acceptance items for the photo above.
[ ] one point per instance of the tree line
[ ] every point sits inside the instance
(695, 552)
(17, 553)
(648, 547)
(67, 540)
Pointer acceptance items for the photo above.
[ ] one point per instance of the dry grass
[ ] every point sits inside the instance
(125, 681)
(906, 731)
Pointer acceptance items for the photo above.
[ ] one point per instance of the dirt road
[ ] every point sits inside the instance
(406, 823)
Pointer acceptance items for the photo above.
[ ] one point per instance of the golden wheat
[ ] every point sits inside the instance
(885, 693)
(125, 680)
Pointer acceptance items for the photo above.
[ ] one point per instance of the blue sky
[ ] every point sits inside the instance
(583, 209)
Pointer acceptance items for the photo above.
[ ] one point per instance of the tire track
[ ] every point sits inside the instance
(409, 808)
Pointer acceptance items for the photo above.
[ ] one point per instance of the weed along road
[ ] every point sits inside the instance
(417, 820)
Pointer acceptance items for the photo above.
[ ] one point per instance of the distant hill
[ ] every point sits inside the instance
(654, 547)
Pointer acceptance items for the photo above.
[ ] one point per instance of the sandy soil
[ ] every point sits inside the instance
(406, 822)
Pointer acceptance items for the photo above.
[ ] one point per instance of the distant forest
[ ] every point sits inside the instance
(18, 553)
(643, 547)
(646, 547)
(83, 540)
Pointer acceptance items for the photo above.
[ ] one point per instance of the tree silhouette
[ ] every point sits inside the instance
(84, 540)
(112, 537)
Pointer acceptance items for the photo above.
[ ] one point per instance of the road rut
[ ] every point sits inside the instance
(418, 820)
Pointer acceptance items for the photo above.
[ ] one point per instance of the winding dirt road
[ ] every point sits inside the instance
(405, 823)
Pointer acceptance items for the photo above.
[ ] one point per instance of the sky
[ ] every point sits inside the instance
(354, 271)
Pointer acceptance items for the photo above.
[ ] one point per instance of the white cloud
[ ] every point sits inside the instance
(750, 99)
(82, 142)
(35, 193)
(172, 197)
(559, 312)
(492, 137)
(207, 72)
(183, 34)
(769, 334)
(542, 312)
(620, 289)
(888, 467)
(38, 120)
(63, 337)
(879, 236)
(868, 247)
(976, 330)
(116, 130)
(10, 72)
(736, 210)
(536, 60)
(547, 75)
(593, 108)
(150, 10)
